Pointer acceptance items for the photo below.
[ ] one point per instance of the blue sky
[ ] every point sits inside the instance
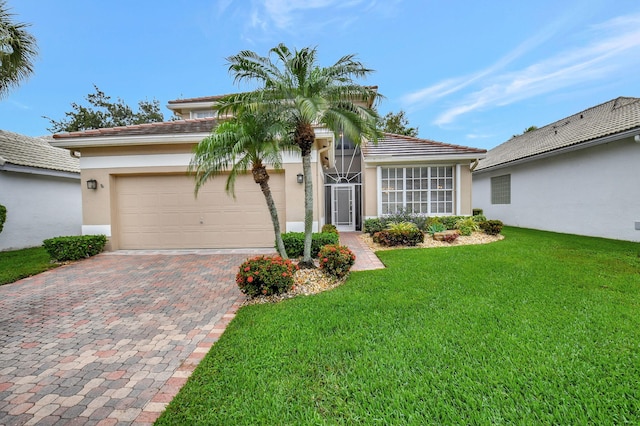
(466, 72)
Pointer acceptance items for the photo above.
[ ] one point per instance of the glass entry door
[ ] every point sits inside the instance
(342, 206)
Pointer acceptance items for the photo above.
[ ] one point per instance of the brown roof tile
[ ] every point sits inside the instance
(392, 145)
(198, 125)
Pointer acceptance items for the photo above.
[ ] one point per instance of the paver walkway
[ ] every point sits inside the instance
(112, 339)
(366, 259)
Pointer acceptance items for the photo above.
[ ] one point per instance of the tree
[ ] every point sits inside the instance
(398, 124)
(305, 94)
(18, 50)
(103, 113)
(527, 130)
(250, 140)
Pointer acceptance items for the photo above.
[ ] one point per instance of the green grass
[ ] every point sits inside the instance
(540, 328)
(18, 264)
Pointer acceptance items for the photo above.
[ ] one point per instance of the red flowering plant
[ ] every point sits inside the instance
(265, 275)
(336, 260)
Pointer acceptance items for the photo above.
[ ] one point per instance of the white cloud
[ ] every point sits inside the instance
(614, 45)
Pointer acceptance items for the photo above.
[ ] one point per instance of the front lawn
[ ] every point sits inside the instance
(540, 328)
(18, 264)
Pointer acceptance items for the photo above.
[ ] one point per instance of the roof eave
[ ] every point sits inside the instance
(17, 168)
(575, 147)
(375, 160)
(127, 140)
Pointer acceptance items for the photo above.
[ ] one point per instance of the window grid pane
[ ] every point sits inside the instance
(419, 190)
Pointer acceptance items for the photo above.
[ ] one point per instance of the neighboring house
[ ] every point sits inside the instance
(40, 187)
(579, 175)
(145, 200)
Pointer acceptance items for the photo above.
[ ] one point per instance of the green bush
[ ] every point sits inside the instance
(467, 226)
(479, 218)
(435, 227)
(63, 249)
(329, 227)
(3, 216)
(491, 227)
(294, 242)
(399, 234)
(336, 260)
(264, 275)
(371, 226)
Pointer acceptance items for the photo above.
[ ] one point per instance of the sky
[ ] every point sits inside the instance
(465, 72)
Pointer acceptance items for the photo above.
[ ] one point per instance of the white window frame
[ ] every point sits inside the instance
(202, 113)
(399, 188)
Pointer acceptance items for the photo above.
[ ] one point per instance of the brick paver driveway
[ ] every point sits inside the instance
(110, 339)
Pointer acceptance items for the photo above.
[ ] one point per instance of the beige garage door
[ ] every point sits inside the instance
(161, 212)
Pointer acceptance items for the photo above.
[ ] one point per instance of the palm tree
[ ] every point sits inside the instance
(17, 51)
(251, 140)
(305, 94)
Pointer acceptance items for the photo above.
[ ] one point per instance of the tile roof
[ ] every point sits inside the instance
(391, 145)
(23, 150)
(200, 99)
(196, 125)
(615, 116)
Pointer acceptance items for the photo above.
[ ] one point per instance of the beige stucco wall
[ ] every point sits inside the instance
(99, 210)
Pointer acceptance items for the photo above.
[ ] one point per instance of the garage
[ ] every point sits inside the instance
(161, 212)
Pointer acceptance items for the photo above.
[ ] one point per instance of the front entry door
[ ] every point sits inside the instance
(342, 207)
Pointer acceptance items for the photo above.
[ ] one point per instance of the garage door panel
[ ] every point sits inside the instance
(161, 212)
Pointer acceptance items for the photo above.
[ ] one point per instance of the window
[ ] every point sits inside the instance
(501, 189)
(202, 113)
(420, 190)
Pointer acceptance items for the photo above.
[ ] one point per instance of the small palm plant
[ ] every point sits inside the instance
(249, 141)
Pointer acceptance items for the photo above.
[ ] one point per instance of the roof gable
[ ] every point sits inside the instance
(392, 146)
(26, 151)
(612, 117)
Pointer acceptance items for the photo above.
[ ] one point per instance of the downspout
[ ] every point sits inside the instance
(474, 164)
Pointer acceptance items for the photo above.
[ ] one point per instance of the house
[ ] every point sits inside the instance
(40, 187)
(578, 175)
(145, 200)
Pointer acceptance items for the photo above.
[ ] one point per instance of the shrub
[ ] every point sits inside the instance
(329, 227)
(449, 221)
(467, 226)
(450, 237)
(405, 216)
(264, 275)
(479, 218)
(3, 216)
(336, 260)
(399, 234)
(491, 227)
(436, 227)
(371, 226)
(64, 249)
(294, 242)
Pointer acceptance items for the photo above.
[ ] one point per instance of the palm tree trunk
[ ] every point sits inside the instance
(307, 261)
(261, 177)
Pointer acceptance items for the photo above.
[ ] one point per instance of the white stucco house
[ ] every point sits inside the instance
(40, 187)
(579, 175)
